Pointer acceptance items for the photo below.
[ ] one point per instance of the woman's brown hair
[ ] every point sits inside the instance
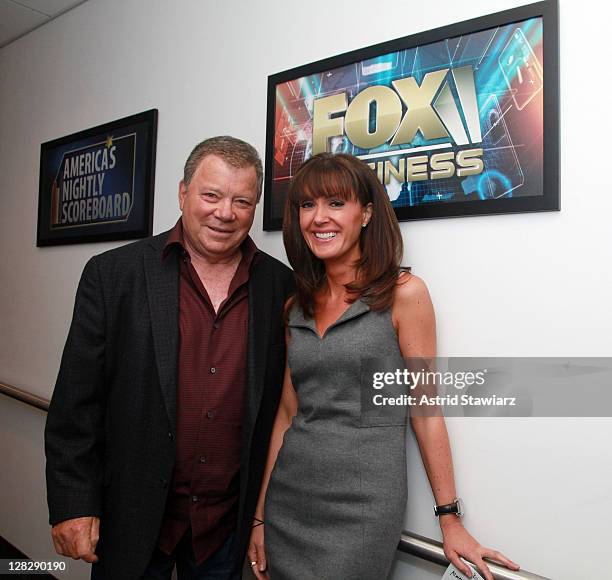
(344, 177)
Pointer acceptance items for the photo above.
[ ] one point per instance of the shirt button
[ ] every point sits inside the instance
(213, 370)
(194, 498)
(216, 324)
(210, 414)
(202, 458)
(170, 436)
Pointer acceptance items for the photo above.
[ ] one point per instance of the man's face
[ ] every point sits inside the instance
(218, 208)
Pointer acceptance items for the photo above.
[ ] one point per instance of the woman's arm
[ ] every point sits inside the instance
(286, 411)
(414, 320)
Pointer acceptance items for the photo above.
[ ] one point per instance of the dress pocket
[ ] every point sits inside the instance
(385, 398)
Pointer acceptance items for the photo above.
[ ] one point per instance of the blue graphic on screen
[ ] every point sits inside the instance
(95, 183)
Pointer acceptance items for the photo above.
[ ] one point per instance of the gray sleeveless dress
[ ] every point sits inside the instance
(335, 503)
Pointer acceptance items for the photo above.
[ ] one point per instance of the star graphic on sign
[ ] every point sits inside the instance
(109, 141)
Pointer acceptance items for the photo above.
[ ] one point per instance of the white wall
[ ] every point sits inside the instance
(503, 285)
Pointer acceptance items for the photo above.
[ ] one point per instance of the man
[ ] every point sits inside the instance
(158, 428)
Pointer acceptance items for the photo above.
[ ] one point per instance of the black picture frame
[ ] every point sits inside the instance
(98, 184)
(543, 194)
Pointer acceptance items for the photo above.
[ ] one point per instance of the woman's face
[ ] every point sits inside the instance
(332, 226)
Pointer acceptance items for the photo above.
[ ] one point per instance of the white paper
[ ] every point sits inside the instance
(453, 574)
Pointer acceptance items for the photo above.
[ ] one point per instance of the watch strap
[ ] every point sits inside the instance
(449, 508)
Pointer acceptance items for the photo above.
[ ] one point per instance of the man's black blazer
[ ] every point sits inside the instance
(110, 433)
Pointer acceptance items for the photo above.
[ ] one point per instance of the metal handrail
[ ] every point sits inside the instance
(410, 543)
(432, 551)
(24, 397)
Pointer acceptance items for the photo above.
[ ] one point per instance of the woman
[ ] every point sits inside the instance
(334, 491)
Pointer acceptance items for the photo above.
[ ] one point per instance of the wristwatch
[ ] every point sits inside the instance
(450, 508)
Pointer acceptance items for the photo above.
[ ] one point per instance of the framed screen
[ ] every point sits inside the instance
(97, 185)
(457, 121)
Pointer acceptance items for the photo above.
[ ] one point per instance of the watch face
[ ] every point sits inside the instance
(459, 503)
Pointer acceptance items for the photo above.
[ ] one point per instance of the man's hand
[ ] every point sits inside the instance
(77, 538)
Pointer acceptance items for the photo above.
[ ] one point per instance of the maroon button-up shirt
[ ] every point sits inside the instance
(205, 484)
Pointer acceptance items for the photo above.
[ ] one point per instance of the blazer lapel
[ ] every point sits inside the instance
(260, 306)
(163, 294)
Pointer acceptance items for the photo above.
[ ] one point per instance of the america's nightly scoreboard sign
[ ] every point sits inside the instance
(461, 120)
(97, 185)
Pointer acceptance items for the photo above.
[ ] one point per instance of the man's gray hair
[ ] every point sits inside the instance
(234, 152)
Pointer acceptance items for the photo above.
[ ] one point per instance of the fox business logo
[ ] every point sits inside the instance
(397, 113)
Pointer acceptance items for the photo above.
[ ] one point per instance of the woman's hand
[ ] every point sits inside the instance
(459, 543)
(257, 553)
(287, 409)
